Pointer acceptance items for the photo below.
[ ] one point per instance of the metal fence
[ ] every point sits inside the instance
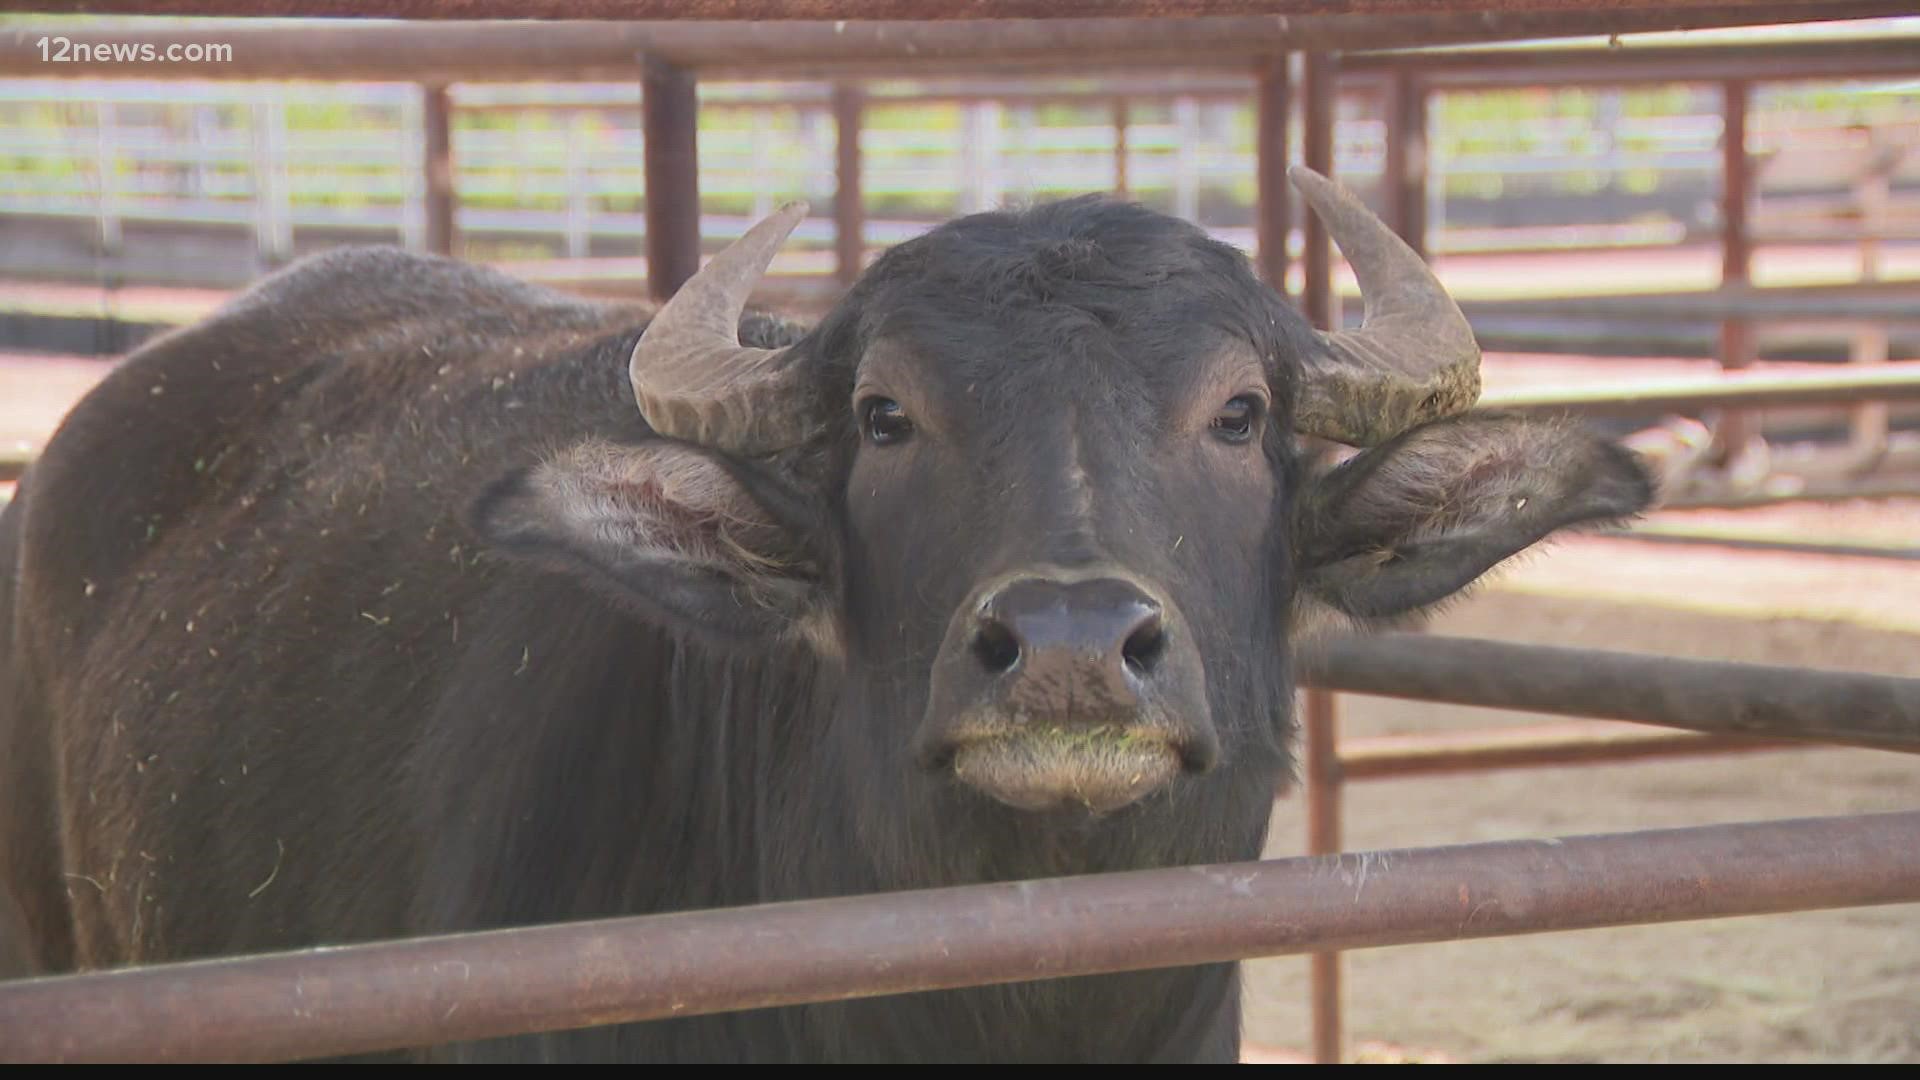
(563, 169)
(398, 994)
(428, 991)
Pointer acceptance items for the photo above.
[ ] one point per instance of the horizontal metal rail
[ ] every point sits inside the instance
(803, 41)
(1602, 65)
(1654, 14)
(1826, 490)
(1720, 697)
(1660, 10)
(1886, 301)
(1682, 537)
(1590, 742)
(1880, 382)
(434, 990)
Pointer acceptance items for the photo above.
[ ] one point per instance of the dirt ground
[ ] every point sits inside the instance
(1841, 985)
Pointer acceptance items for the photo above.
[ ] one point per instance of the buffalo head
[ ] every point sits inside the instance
(1030, 500)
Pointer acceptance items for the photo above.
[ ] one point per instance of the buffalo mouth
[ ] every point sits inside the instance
(1099, 769)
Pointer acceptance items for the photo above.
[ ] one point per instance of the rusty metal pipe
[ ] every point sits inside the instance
(1659, 10)
(849, 198)
(1588, 742)
(1321, 717)
(1871, 302)
(669, 127)
(1721, 697)
(435, 990)
(1871, 487)
(1404, 176)
(1736, 430)
(470, 51)
(1612, 65)
(1273, 204)
(1889, 382)
(442, 196)
(1763, 542)
(1319, 98)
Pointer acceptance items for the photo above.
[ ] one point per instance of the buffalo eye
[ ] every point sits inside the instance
(885, 421)
(1237, 419)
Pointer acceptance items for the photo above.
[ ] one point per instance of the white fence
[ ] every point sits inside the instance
(562, 165)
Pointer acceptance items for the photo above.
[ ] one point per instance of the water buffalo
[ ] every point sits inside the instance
(372, 605)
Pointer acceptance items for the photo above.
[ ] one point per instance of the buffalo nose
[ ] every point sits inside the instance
(1099, 633)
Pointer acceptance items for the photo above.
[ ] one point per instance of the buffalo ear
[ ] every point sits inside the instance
(665, 529)
(1410, 523)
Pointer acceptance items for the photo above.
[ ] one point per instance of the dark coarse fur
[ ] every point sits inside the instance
(281, 667)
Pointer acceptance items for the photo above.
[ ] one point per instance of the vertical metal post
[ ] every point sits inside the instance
(1404, 181)
(1323, 838)
(206, 132)
(272, 194)
(413, 197)
(669, 117)
(1121, 119)
(1435, 206)
(972, 160)
(105, 174)
(982, 183)
(577, 176)
(1869, 420)
(1323, 779)
(849, 198)
(1321, 91)
(1186, 157)
(759, 163)
(1022, 120)
(261, 144)
(437, 134)
(1272, 203)
(1736, 252)
(817, 152)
